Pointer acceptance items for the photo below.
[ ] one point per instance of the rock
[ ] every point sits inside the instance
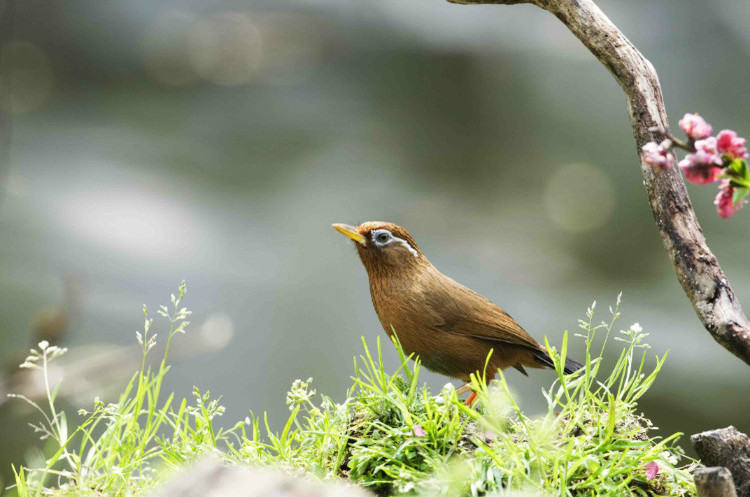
(715, 481)
(211, 478)
(729, 448)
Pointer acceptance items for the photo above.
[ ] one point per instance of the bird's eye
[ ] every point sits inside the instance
(382, 237)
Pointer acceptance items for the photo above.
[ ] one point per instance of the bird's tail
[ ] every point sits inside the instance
(571, 365)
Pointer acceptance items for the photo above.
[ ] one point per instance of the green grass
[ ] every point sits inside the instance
(390, 435)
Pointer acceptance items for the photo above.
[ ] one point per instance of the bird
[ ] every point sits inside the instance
(451, 328)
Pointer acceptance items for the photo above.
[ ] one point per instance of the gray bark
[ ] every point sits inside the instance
(697, 268)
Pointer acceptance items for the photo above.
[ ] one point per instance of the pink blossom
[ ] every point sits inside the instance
(695, 126)
(418, 431)
(707, 153)
(658, 156)
(730, 144)
(724, 200)
(698, 173)
(652, 469)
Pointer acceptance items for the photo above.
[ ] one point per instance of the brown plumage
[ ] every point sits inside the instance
(450, 327)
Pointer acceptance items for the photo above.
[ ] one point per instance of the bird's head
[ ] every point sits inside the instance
(383, 246)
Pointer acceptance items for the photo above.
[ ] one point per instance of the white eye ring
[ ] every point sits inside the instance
(382, 237)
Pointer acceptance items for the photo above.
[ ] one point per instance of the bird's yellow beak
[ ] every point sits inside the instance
(350, 231)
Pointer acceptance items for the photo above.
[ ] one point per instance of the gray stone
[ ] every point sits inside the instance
(211, 478)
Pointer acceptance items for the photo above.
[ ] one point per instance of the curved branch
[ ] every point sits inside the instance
(696, 266)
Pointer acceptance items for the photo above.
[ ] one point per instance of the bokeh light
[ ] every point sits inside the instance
(129, 220)
(226, 48)
(166, 50)
(579, 197)
(29, 80)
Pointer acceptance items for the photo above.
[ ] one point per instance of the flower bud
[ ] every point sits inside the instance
(728, 143)
(658, 156)
(695, 126)
(724, 200)
(698, 172)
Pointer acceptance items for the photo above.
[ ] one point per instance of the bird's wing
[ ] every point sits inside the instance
(460, 310)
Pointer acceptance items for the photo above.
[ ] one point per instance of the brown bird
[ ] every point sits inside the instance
(450, 327)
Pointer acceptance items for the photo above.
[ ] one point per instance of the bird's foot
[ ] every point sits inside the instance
(463, 389)
(467, 388)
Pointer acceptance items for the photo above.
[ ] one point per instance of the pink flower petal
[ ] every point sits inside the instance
(723, 201)
(658, 156)
(697, 172)
(652, 469)
(418, 431)
(695, 126)
(706, 152)
(728, 143)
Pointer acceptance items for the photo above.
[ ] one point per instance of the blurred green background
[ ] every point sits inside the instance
(216, 142)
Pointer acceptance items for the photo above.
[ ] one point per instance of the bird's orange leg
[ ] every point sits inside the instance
(472, 396)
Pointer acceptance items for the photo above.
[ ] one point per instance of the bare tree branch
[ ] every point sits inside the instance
(696, 266)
